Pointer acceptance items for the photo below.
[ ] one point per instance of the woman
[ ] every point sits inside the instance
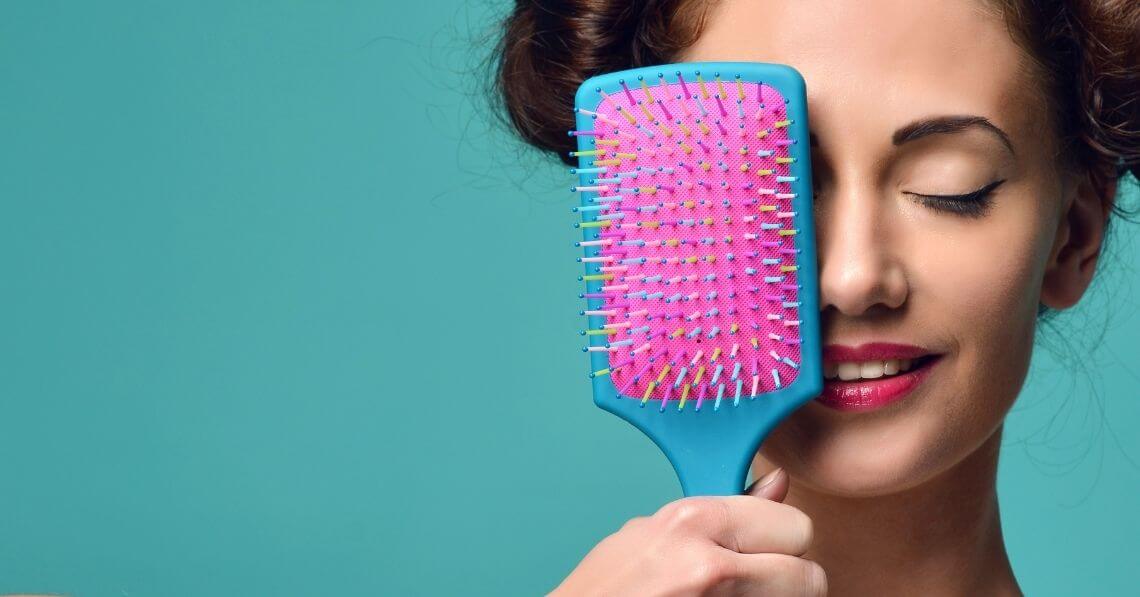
(966, 156)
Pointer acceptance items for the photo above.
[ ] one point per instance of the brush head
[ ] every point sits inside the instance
(695, 195)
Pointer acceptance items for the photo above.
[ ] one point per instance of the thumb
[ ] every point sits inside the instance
(773, 486)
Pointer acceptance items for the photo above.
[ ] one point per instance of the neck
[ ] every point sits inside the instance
(939, 538)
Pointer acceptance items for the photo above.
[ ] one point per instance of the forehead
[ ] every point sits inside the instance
(876, 64)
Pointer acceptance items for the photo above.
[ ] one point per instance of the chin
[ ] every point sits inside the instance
(856, 461)
(869, 455)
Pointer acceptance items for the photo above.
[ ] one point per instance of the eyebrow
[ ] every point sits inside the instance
(948, 125)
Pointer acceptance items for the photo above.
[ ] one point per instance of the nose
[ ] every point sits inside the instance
(861, 270)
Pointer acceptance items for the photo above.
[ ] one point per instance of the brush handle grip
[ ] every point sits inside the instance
(711, 451)
(712, 474)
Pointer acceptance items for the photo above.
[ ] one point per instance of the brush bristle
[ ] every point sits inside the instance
(691, 249)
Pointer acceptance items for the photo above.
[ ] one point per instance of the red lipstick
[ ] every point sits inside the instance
(860, 395)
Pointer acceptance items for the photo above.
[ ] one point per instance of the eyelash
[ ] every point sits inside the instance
(973, 204)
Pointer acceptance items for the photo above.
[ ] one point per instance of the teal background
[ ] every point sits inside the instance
(283, 314)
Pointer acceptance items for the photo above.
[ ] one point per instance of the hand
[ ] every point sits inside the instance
(737, 545)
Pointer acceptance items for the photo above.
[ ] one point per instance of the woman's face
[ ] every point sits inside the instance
(958, 278)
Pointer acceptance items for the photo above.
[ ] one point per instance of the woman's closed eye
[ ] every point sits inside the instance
(973, 204)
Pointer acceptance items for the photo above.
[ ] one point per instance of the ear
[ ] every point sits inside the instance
(1077, 244)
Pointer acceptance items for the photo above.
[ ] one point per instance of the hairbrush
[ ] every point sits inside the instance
(702, 303)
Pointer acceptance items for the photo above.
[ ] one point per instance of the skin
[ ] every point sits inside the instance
(901, 500)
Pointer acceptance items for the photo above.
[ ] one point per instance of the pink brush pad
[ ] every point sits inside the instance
(719, 172)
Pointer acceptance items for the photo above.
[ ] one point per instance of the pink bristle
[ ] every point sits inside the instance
(628, 93)
(684, 88)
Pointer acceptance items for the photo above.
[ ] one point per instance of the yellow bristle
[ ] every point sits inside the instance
(648, 391)
(645, 111)
(648, 93)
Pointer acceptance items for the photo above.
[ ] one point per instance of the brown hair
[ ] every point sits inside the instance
(1087, 53)
(550, 46)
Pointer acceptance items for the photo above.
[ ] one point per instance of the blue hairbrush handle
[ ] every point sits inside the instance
(712, 450)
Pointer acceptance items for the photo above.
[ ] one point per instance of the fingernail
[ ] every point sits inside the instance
(766, 480)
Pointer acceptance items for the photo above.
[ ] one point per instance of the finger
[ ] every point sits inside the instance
(763, 526)
(741, 523)
(779, 574)
(773, 486)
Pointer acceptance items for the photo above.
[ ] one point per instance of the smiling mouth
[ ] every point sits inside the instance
(872, 376)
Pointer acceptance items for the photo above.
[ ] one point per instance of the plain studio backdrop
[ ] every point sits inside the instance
(283, 313)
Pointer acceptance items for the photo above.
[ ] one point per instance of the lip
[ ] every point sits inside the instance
(864, 395)
(874, 351)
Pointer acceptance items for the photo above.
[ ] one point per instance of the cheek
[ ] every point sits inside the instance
(983, 287)
(979, 281)
(982, 290)
(974, 288)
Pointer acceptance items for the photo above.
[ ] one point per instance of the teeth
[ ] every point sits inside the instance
(871, 369)
(867, 369)
(848, 371)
